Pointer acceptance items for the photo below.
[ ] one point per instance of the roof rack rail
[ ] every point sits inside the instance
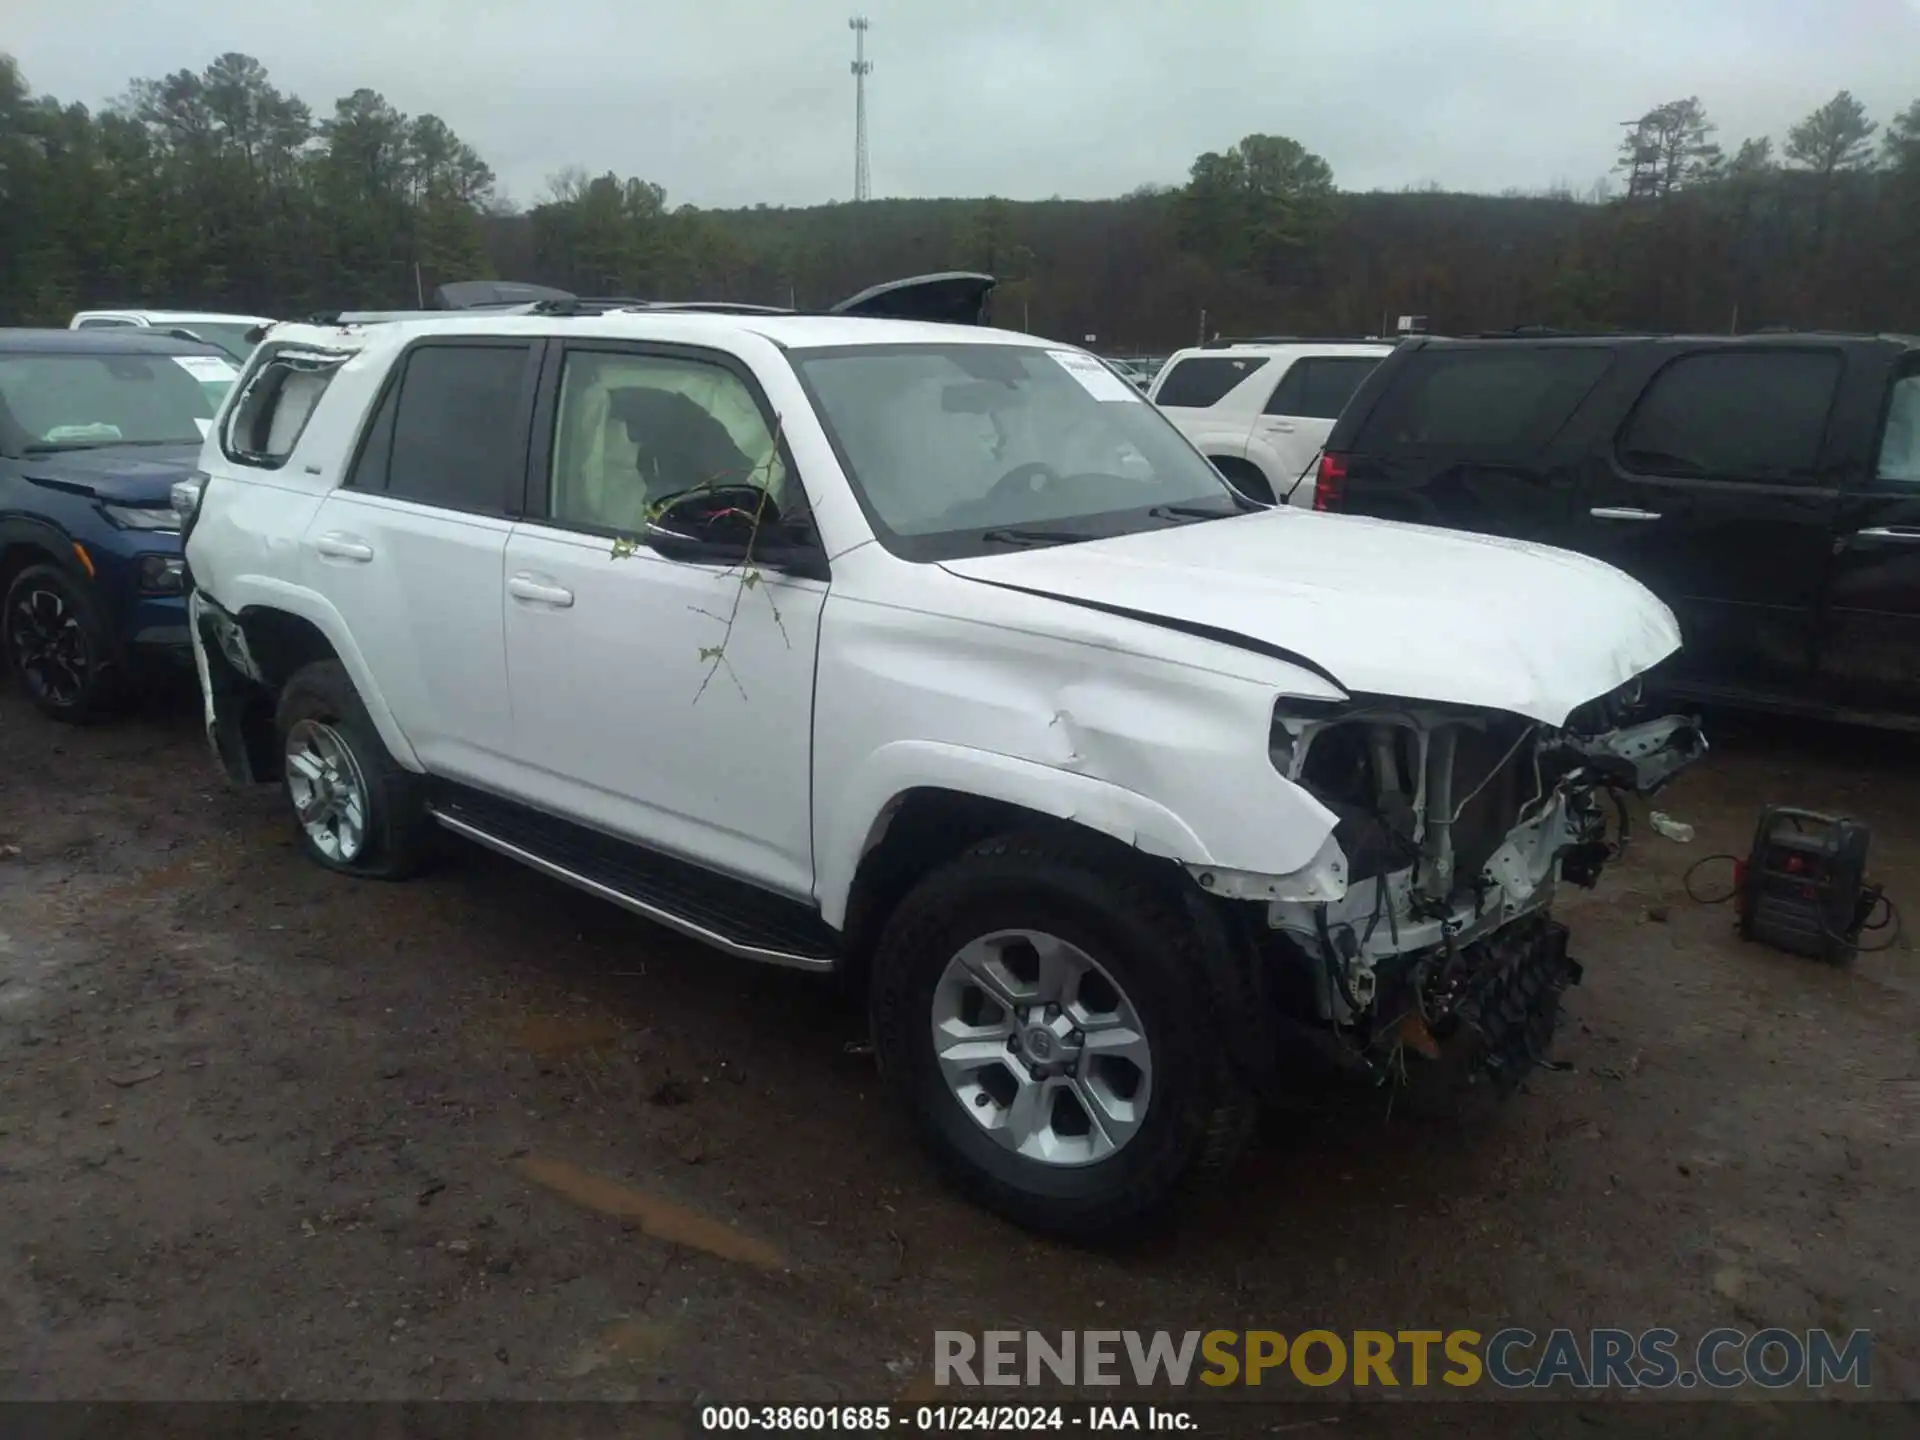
(1227, 342)
(1555, 332)
(951, 297)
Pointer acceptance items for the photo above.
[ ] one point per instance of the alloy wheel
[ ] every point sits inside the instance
(329, 793)
(1042, 1048)
(49, 647)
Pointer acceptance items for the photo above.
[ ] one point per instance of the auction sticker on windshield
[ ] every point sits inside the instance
(1096, 379)
(206, 367)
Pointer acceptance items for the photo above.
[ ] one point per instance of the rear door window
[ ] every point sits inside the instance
(1734, 415)
(459, 428)
(1203, 380)
(1900, 441)
(1318, 387)
(1489, 398)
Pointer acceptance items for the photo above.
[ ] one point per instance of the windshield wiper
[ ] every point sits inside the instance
(1030, 537)
(63, 447)
(1190, 512)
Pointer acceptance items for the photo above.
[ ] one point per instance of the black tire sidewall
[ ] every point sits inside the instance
(80, 599)
(982, 894)
(322, 692)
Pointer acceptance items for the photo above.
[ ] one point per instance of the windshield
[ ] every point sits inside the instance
(73, 402)
(963, 449)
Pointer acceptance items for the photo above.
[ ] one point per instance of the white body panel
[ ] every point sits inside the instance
(623, 716)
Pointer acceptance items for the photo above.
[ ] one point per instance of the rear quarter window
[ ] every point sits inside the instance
(1483, 399)
(1203, 380)
(1318, 387)
(277, 399)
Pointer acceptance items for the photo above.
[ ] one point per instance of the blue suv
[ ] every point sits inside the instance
(95, 429)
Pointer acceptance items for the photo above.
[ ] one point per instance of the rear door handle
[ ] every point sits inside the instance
(336, 546)
(1910, 534)
(1285, 427)
(1622, 512)
(525, 586)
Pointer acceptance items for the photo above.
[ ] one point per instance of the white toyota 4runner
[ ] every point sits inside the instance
(932, 653)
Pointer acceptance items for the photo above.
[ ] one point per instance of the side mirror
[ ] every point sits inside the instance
(734, 525)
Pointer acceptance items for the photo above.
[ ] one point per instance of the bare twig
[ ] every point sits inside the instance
(750, 578)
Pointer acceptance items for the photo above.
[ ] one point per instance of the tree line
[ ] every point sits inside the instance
(215, 189)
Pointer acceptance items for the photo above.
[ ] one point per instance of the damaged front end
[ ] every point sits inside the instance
(1439, 966)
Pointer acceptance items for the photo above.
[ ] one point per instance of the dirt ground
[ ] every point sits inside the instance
(267, 1133)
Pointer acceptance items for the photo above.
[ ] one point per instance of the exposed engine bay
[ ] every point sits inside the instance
(1456, 825)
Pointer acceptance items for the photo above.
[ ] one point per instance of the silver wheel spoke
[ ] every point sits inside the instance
(982, 961)
(1029, 1120)
(965, 1058)
(1115, 1118)
(1061, 967)
(1120, 1042)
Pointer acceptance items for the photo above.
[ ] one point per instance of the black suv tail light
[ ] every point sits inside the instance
(1330, 485)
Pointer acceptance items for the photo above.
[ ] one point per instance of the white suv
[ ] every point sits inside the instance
(231, 333)
(932, 653)
(1262, 411)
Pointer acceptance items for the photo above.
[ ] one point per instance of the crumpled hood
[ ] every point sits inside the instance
(120, 474)
(1384, 608)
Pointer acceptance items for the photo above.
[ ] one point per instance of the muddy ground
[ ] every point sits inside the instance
(265, 1132)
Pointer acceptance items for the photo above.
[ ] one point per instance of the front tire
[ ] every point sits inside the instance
(58, 644)
(355, 809)
(1044, 1016)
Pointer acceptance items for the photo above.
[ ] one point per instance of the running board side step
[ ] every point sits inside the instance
(727, 914)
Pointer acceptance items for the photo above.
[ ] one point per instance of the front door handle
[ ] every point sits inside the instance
(336, 546)
(1622, 512)
(1910, 534)
(528, 587)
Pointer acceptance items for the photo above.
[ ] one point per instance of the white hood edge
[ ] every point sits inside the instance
(1383, 608)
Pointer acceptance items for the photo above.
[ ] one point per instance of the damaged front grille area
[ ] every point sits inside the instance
(1456, 826)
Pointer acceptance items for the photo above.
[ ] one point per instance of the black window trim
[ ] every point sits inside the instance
(390, 385)
(546, 418)
(1391, 384)
(1822, 475)
(1227, 357)
(1905, 366)
(257, 366)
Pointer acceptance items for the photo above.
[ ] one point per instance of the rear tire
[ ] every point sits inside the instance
(1146, 1074)
(58, 644)
(355, 809)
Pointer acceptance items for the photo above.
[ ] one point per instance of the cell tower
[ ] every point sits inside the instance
(862, 67)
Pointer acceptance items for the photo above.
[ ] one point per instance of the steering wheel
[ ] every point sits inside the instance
(1015, 476)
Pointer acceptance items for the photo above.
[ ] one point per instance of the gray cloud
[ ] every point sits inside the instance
(728, 102)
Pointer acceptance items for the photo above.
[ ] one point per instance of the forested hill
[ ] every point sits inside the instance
(1117, 269)
(212, 188)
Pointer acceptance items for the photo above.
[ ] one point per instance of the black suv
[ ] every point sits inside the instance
(1766, 487)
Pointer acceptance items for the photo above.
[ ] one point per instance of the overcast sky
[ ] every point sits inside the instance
(728, 102)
